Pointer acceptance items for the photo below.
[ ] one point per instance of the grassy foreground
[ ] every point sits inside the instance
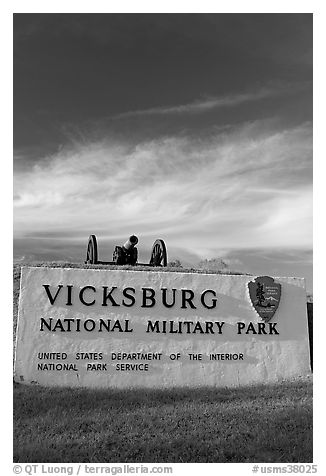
(268, 423)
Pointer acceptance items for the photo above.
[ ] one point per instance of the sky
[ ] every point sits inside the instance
(193, 128)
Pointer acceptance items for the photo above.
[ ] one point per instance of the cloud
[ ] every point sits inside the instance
(249, 187)
(210, 103)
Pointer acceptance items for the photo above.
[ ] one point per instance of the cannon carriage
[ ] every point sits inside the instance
(127, 253)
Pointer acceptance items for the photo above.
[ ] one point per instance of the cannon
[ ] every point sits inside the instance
(127, 253)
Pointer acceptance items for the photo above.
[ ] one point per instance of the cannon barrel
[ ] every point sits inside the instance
(131, 242)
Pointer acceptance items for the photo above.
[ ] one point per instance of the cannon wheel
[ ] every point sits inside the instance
(91, 254)
(159, 255)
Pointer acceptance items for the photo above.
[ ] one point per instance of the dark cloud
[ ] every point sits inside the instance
(74, 68)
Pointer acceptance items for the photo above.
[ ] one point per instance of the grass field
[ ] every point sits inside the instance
(255, 424)
(266, 423)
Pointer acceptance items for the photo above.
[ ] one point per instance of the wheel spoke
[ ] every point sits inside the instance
(91, 253)
(158, 254)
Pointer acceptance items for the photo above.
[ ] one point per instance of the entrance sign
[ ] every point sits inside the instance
(119, 328)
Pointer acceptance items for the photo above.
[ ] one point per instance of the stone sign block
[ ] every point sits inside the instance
(124, 329)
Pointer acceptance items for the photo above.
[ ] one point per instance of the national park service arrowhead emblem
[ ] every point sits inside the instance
(265, 296)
